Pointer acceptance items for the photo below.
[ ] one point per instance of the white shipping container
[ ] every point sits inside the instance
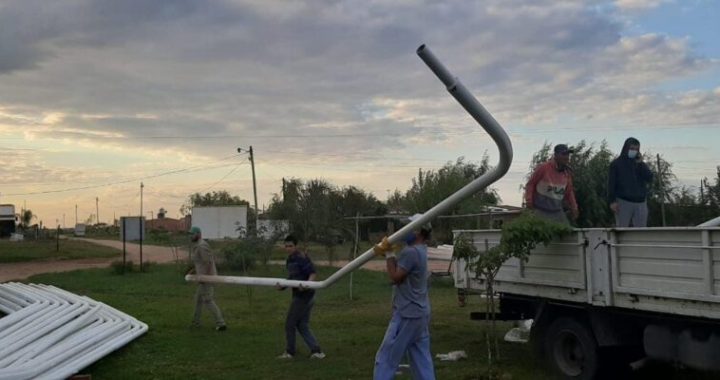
(220, 222)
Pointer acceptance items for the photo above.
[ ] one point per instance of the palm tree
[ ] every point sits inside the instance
(25, 218)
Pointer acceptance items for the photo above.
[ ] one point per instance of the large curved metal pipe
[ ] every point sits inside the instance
(479, 113)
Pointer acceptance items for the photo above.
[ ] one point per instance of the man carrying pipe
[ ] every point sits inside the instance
(299, 267)
(204, 261)
(409, 328)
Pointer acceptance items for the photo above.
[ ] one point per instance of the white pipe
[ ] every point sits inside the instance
(711, 223)
(52, 334)
(479, 113)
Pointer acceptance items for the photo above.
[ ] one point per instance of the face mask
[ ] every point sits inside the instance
(410, 238)
(632, 153)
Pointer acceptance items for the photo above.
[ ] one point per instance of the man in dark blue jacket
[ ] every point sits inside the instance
(628, 186)
(299, 267)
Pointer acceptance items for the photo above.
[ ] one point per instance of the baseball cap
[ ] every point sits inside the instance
(562, 149)
(426, 226)
(195, 230)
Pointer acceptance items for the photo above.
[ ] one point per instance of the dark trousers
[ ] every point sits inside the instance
(298, 318)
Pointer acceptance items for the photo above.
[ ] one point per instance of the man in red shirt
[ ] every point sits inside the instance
(550, 189)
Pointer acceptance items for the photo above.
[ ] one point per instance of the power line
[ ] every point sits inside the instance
(171, 172)
(223, 178)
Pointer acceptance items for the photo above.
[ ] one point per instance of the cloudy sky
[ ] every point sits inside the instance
(99, 95)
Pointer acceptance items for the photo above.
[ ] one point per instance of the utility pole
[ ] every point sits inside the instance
(140, 223)
(76, 214)
(97, 210)
(702, 193)
(252, 165)
(662, 190)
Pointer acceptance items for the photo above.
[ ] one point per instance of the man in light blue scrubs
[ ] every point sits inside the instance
(409, 330)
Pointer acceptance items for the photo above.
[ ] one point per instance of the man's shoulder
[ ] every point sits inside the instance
(203, 245)
(409, 254)
(543, 166)
(408, 249)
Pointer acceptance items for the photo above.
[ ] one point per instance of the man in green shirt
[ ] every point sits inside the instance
(204, 261)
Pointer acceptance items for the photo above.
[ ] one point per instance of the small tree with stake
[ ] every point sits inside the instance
(518, 239)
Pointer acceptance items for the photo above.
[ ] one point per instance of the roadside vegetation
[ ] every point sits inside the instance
(47, 249)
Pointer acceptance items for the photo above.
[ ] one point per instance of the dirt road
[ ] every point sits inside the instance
(21, 271)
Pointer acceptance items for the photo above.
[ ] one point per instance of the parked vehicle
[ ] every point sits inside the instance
(79, 230)
(8, 220)
(602, 298)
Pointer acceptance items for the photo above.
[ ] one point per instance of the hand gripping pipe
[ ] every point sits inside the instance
(478, 112)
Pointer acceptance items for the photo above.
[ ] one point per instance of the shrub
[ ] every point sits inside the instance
(117, 267)
(240, 255)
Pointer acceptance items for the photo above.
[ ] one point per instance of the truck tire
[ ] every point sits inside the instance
(572, 349)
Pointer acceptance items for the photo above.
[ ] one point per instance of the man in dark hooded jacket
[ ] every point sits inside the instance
(628, 186)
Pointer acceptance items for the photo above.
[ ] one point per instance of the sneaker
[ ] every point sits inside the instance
(285, 355)
(317, 355)
(221, 328)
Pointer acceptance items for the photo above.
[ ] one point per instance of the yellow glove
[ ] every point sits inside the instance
(384, 247)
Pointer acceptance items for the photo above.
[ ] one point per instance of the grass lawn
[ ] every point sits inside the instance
(29, 250)
(348, 331)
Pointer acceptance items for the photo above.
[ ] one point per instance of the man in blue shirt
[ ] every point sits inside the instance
(409, 330)
(299, 267)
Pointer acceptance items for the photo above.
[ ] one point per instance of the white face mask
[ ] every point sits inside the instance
(632, 153)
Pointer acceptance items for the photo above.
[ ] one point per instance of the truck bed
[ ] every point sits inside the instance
(668, 270)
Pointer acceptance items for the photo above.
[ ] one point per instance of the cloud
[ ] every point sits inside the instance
(327, 82)
(634, 5)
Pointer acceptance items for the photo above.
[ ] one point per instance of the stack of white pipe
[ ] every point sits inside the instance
(49, 333)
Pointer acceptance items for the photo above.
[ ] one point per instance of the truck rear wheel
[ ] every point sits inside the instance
(572, 349)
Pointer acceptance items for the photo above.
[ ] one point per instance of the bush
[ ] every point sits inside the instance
(240, 255)
(117, 267)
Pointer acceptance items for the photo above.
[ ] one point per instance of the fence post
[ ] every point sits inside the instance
(124, 225)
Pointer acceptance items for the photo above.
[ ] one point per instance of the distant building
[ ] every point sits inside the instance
(163, 223)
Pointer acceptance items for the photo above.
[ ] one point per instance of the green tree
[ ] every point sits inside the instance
(26, 217)
(518, 238)
(431, 187)
(317, 209)
(711, 191)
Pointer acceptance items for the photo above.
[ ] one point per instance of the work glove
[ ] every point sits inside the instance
(385, 249)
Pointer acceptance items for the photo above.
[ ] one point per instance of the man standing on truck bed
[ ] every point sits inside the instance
(628, 181)
(550, 188)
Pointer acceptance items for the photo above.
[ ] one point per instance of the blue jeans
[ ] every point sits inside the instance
(405, 335)
(298, 318)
